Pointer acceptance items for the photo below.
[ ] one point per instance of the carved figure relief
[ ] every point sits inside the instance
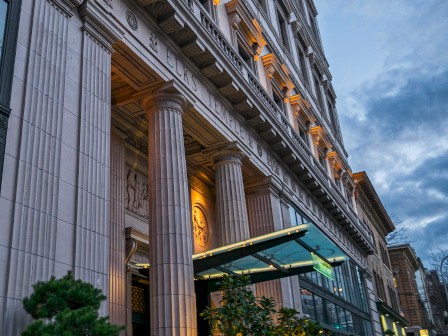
(200, 227)
(136, 194)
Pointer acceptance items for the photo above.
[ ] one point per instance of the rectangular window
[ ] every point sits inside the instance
(279, 102)
(210, 8)
(321, 157)
(313, 25)
(247, 56)
(318, 301)
(3, 13)
(332, 314)
(283, 29)
(318, 92)
(308, 303)
(302, 64)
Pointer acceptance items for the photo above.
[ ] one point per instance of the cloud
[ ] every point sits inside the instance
(402, 142)
(389, 60)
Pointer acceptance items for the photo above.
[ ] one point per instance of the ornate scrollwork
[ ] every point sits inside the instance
(132, 20)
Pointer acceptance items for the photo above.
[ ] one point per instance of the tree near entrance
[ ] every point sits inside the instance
(67, 307)
(242, 314)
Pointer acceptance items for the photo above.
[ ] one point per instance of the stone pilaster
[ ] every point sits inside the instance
(33, 178)
(92, 229)
(117, 249)
(263, 207)
(266, 215)
(231, 211)
(172, 298)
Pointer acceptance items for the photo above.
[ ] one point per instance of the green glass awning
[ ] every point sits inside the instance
(272, 256)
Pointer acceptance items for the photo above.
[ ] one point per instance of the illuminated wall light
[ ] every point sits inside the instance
(216, 2)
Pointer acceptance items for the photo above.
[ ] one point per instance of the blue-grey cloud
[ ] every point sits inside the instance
(402, 141)
(390, 65)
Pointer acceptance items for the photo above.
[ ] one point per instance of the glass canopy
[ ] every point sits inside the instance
(275, 255)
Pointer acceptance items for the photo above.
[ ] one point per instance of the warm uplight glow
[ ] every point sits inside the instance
(142, 265)
(216, 2)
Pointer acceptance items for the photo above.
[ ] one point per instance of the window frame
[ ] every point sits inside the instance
(7, 61)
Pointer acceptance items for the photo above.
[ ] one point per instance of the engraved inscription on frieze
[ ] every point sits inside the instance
(137, 194)
(200, 227)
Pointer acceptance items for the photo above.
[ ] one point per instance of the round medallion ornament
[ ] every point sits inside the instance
(132, 20)
(200, 227)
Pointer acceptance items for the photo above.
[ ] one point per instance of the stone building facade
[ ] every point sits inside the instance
(143, 133)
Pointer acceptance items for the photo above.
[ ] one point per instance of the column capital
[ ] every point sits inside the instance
(167, 96)
(263, 184)
(98, 25)
(227, 153)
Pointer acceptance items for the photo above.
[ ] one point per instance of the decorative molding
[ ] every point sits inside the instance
(199, 186)
(278, 72)
(153, 43)
(108, 3)
(131, 19)
(222, 42)
(241, 19)
(65, 6)
(136, 142)
(99, 25)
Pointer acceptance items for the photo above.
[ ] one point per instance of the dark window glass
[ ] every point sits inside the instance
(318, 301)
(341, 318)
(318, 92)
(279, 102)
(332, 316)
(303, 65)
(283, 29)
(349, 321)
(308, 303)
(3, 13)
(247, 57)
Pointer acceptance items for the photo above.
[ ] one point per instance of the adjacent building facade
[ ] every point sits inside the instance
(384, 304)
(410, 287)
(146, 137)
(438, 302)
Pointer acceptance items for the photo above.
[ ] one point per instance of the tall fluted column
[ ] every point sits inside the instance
(92, 231)
(172, 298)
(231, 211)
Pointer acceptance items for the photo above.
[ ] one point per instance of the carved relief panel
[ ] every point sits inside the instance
(202, 215)
(136, 198)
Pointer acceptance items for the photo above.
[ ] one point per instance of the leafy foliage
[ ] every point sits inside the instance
(242, 314)
(66, 307)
